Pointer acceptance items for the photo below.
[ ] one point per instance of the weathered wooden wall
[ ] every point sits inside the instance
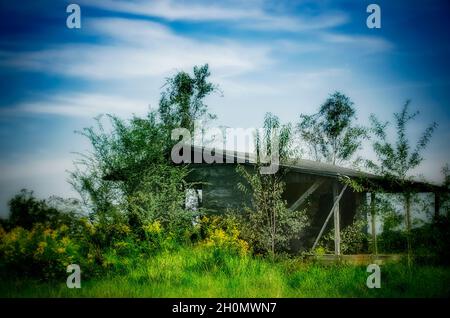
(219, 187)
(220, 192)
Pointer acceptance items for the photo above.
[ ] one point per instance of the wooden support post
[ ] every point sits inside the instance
(337, 226)
(305, 195)
(408, 226)
(336, 202)
(437, 204)
(373, 224)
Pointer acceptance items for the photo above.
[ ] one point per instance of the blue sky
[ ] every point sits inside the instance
(285, 57)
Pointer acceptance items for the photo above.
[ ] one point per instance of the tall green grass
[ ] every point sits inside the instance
(200, 272)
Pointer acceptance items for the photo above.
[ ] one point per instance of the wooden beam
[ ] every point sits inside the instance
(336, 201)
(306, 194)
(373, 223)
(337, 222)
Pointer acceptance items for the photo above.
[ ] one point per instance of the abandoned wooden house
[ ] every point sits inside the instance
(332, 203)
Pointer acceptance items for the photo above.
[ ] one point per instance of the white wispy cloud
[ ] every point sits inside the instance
(369, 43)
(242, 14)
(81, 105)
(136, 52)
(136, 48)
(297, 24)
(288, 84)
(179, 10)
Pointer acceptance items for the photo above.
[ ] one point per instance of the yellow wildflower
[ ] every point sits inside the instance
(65, 240)
(47, 232)
(41, 248)
(153, 228)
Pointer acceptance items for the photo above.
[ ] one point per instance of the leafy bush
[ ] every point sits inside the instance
(222, 233)
(129, 171)
(160, 197)
(26, 210)
(390, 241)
(353, 239)
(431, 242)
(269, 225)
(158, 238)
(45, 253)
(42, 251)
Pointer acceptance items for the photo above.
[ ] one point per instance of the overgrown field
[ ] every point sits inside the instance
(202, 272)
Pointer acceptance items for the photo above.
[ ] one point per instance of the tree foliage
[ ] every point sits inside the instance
(268, 223)
(128, 175)
(397, 159)
(276, 135)
(331, 134)
(27, 210)
(182, 101)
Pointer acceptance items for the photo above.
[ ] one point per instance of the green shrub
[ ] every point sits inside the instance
(26, 211)
(222, 233)
(41, 251)
(353, 239)
(390, 241)
(269, 225)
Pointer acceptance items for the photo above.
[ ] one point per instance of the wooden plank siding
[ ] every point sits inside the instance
(220, 192)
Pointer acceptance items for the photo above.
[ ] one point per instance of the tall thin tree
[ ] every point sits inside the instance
(397, 160)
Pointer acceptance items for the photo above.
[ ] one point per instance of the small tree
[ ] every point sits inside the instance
(269, 224)
(114, 170)
(331, 134)
(182, 102)
(397, 160)
(26, 211)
